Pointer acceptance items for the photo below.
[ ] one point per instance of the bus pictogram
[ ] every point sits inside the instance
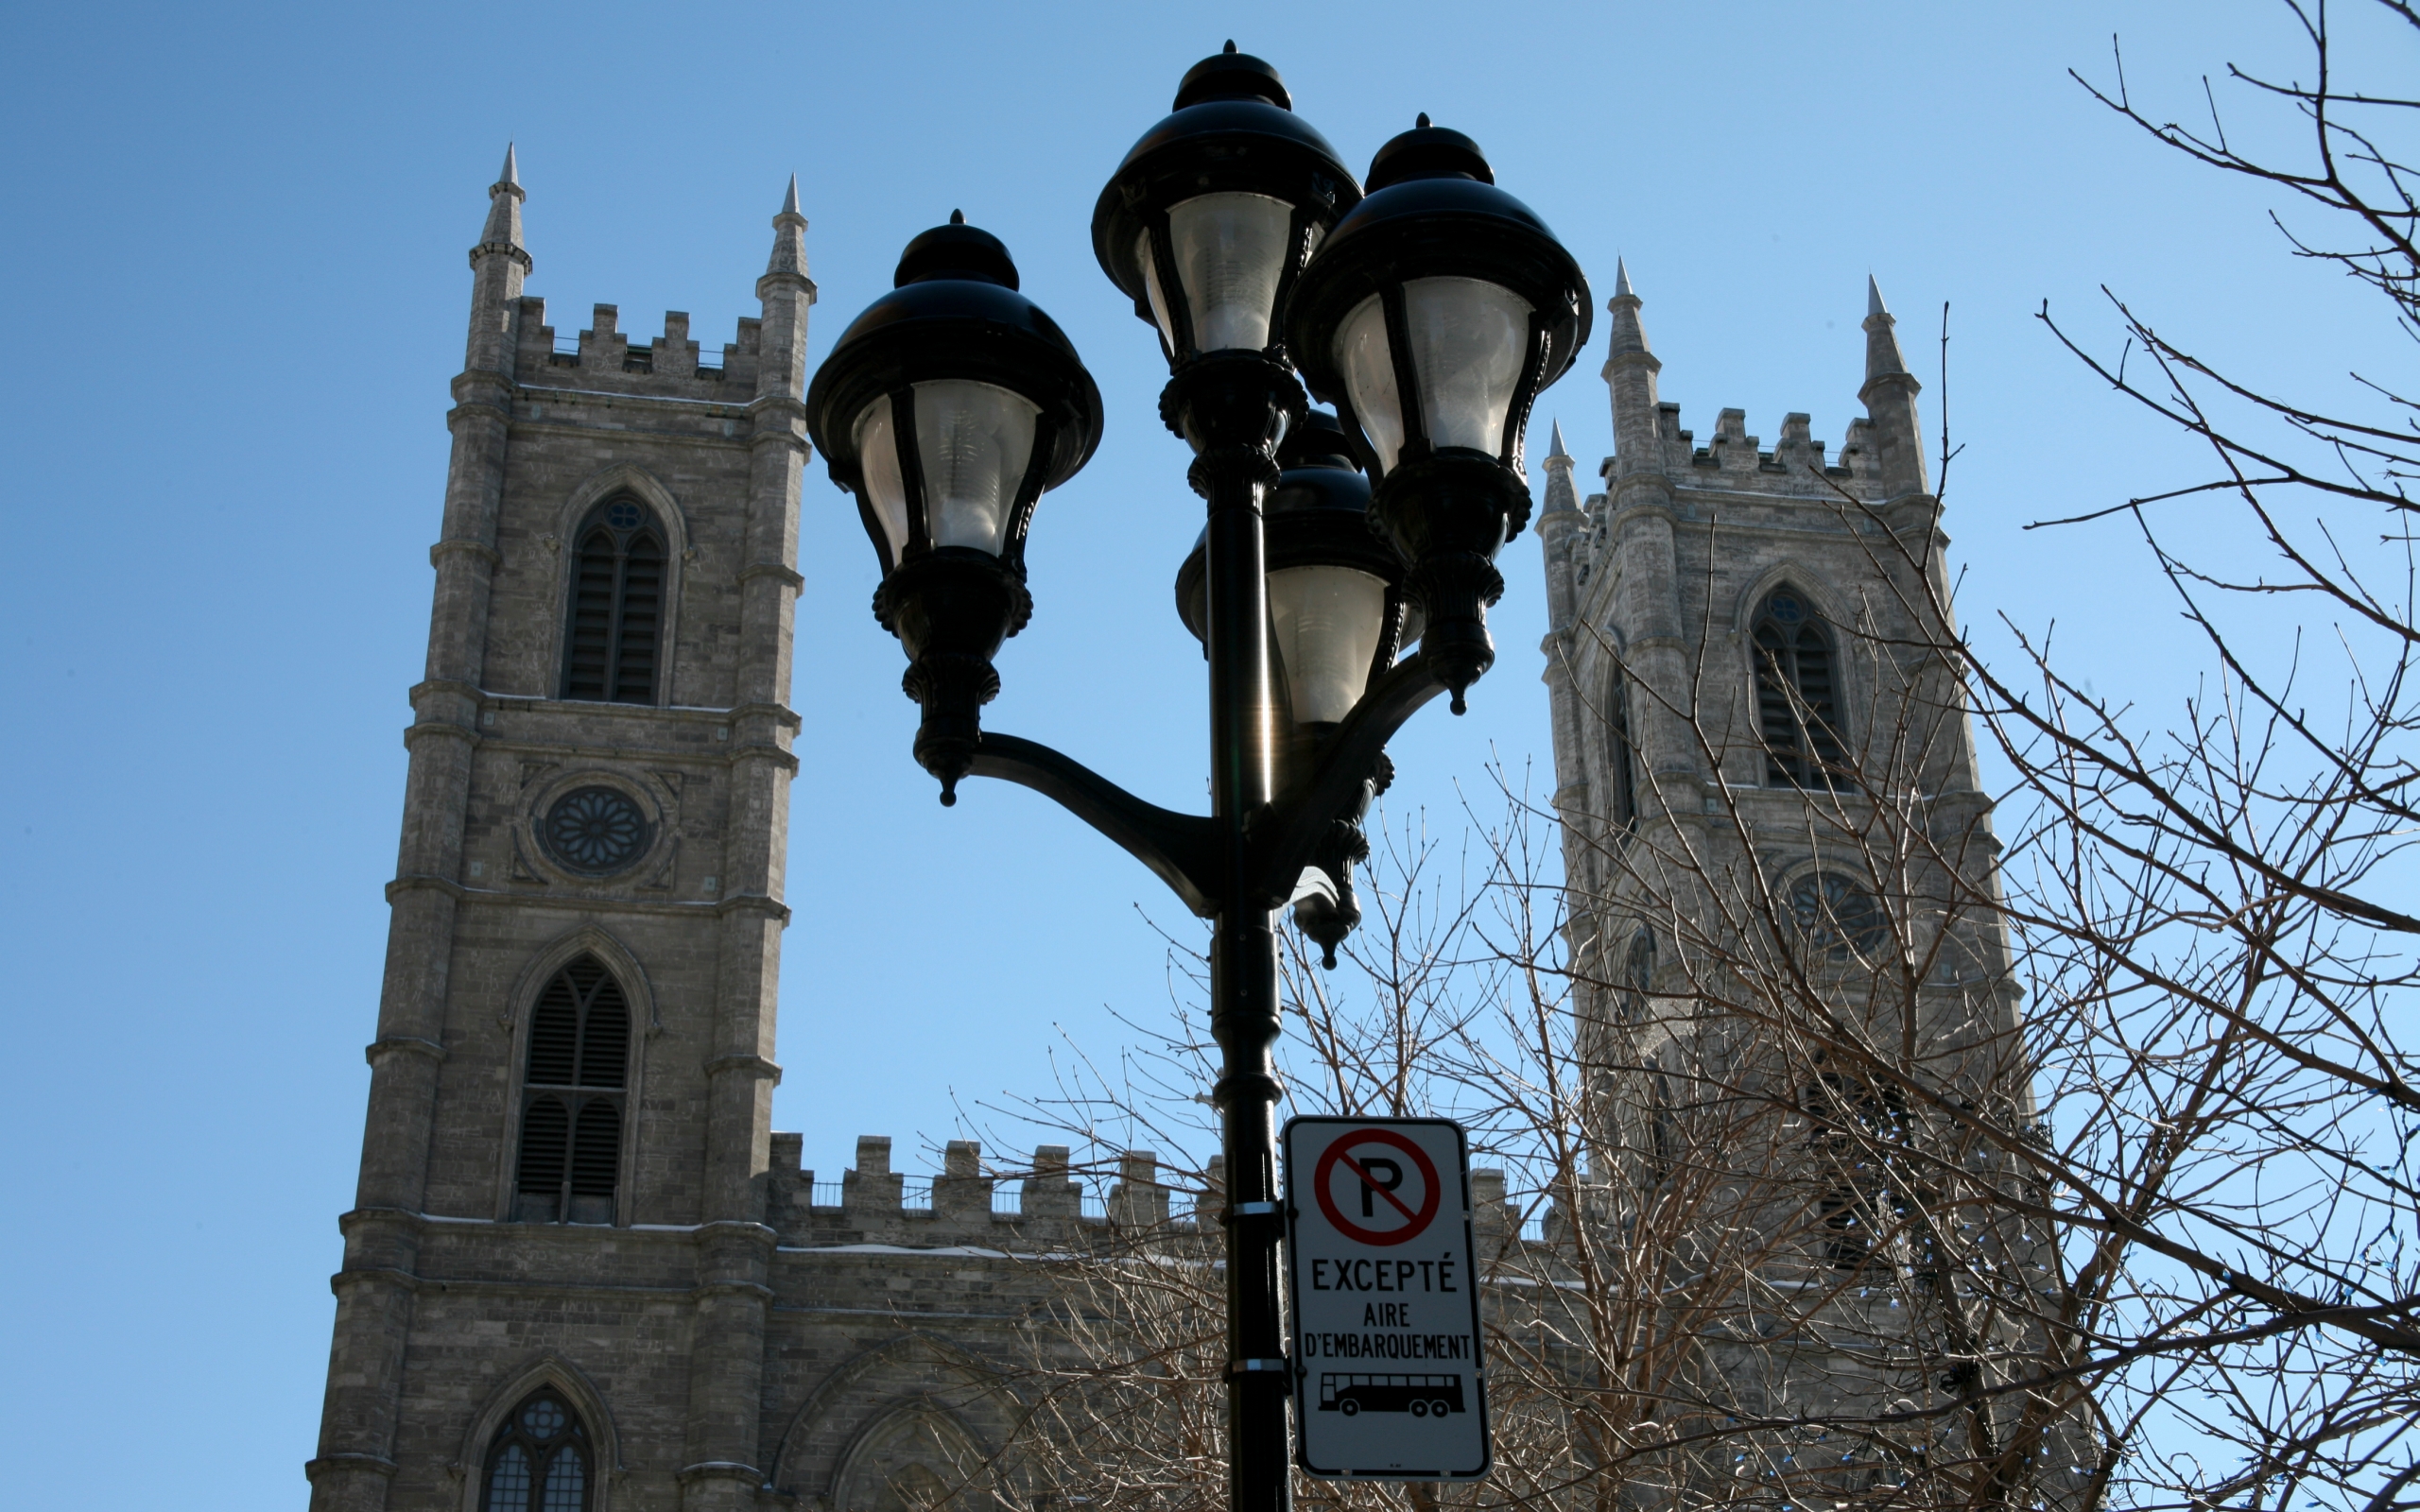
(1420, 1396)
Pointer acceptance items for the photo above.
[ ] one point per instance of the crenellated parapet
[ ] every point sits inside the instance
(1047, 1200)
(603, 359)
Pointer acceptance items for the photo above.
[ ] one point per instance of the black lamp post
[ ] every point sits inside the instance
(952, 403)
(1340, 617)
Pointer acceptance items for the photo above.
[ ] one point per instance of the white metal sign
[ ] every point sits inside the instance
(1386, 1378)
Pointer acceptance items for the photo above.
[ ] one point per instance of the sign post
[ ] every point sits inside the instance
(1386, 1377)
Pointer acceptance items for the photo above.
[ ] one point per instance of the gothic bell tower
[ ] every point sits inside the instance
(564, 1171)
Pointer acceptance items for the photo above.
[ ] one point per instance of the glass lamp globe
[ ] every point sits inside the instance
(1431, 317)
(1212, 215)
(1337, 608)
(947, 408)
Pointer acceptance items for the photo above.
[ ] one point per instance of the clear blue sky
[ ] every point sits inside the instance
(235, 249)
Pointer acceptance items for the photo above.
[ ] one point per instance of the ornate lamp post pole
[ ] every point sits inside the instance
(1431, 312)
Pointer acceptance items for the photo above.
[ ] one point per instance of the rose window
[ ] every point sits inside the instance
(595, 829)
(1836, 914)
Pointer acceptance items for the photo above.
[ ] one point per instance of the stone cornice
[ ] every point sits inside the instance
(502, 249)
(789, 577)
(384, 1045)
(755, 1291)
(640, 712)
(791, 440)
(748, 1229)
(354, 1276)
(472, 408)
(782, 406)
(726, 1469)
(590, 433)
(1902, 380)
(587, 903)
(414, 732)
(480, 549)
(719, 409)
(374, 1464)
(754, 1065)
(754, 903)
(779, 713)
(786, 279)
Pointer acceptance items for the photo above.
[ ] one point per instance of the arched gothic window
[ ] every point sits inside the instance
(617, 581)
(1638, 976)
(1858, 1134)
(1797, 694)
(1620, 754)
(540, 1460)
(1663, 1132)
(572, 1098)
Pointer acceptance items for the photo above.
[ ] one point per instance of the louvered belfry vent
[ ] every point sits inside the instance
(572, 1095)
(1797, 697)
(546, 1138)
(596, 1149)
(616, 611)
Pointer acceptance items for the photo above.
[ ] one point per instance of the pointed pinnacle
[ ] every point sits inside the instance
(1555, 452)
(1874, 304)
(789, 200)
(1621, 280)
(511, 169)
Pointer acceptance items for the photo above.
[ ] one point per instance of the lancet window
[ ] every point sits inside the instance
(1620, 756)
(540, 1460)
(617, 616)
(1797, 694)
(1858, 1135)
(1638, 977)
(572, 1098)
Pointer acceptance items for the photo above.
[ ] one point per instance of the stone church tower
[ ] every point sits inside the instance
(1795, 983)
(589, 889)
(581, 1273)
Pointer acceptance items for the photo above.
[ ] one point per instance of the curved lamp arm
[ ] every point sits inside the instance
(1179, 847)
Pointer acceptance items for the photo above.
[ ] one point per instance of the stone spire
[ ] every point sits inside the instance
(789, 238)
(502, 234)
(1630, 372)
(1629, 335)
(1890, 396)
(1561, 526)
(1560, 492)
(1883, 359)
(498, 264)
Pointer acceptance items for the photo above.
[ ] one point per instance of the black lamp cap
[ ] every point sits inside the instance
(1230, 76)
(956, 251)
(1317, 440)
(1428, 151)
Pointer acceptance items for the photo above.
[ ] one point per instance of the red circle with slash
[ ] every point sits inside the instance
(1415, 1224)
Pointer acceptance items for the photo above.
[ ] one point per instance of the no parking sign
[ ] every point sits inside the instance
(1386, 1378)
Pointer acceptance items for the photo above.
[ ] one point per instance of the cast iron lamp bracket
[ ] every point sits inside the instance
(1181, 849)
